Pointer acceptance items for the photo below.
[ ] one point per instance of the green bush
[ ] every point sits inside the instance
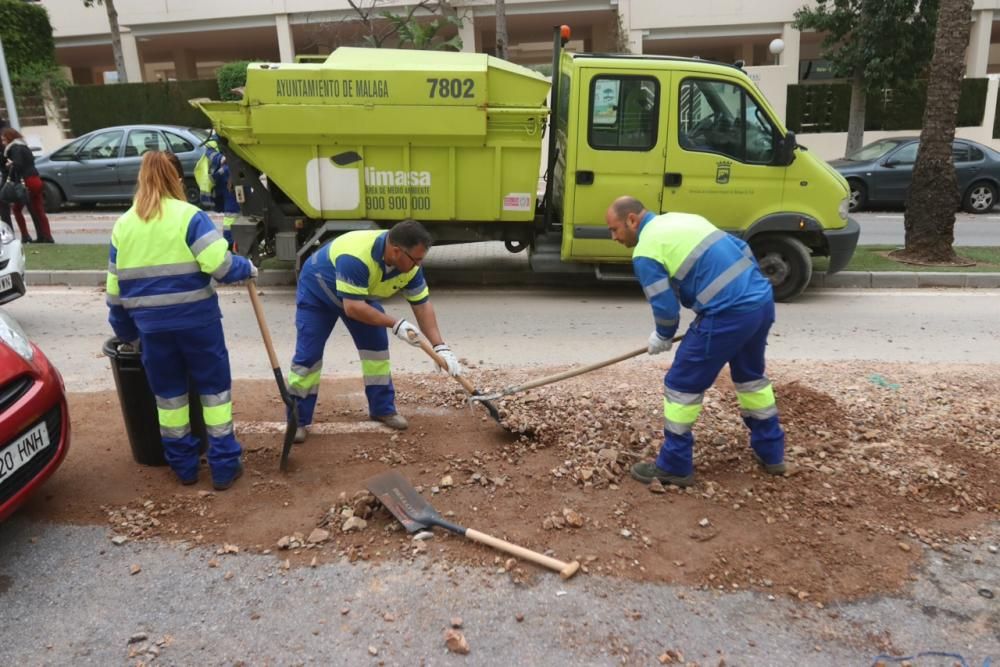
(826, 107)
(232, 75)
(28, 47)
(93, 107)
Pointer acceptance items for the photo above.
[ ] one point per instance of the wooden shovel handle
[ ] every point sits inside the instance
(258, 310)
(426, 346)
(565, 570)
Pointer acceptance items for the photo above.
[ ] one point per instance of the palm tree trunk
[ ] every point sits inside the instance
(933, 198)
(116, 40)
(501, 12)
(856, 118)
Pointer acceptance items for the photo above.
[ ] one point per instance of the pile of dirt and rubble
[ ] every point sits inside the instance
(892, 459)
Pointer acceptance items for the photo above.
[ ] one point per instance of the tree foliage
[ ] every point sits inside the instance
(232, 76)
(877, 44)
(28, 46)
(423, 25)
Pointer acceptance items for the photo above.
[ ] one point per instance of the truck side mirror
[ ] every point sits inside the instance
(785, 154)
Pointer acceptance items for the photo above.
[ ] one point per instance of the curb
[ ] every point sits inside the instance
(848, 279)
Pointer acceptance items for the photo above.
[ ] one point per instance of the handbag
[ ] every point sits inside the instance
(13, 192)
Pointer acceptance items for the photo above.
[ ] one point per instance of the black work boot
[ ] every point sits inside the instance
(646, 472)
(783, 468)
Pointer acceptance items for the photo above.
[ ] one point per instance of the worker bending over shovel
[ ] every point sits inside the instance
(346, 279)
(683, 257)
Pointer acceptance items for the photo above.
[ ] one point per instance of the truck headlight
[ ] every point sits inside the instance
(14, 337)
(6, 234)
(842, 209)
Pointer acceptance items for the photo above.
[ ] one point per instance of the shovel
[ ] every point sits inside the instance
(293, 408)
(415, 513)
(472, 391)
(565, 375)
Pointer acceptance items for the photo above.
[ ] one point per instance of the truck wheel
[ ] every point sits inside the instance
(515, 246)
(980, 197)
(786, 262)
(858, 198)
(52, 196)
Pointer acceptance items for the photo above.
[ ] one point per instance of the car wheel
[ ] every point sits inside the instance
(858, 198)
(980, 197)
(786, 262)
(53, 197)
(192, 192)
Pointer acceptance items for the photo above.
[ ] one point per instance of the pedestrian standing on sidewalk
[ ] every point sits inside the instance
(346, 279)
(164, 255)
(20, 166)
(680, 257)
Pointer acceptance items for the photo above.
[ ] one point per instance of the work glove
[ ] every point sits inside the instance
(253, 271)
(658, 343)
(454, 368)
(406, 332)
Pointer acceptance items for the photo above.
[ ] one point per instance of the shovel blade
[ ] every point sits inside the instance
(402, 500)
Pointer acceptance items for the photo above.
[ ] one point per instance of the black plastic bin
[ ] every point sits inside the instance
(139, 406)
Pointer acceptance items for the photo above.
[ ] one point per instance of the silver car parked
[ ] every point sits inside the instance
(102, 166)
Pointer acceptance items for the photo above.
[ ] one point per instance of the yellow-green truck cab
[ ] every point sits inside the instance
(371, 136)
(697, 137)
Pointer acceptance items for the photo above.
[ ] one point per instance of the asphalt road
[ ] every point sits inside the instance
(66, 598)
(877, 227)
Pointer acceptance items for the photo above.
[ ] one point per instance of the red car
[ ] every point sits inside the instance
(34, 417)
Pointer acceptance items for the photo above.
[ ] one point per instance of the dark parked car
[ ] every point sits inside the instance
(880, 173)
(102, 166)
(34, 417)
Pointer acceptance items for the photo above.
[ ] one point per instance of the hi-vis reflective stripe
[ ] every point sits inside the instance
(167, 299)
(204, 241)
(159, 271)
(376, 368)
(172, 413)
(723, 279)
(680, 410)
(696, 254)
(304, 381)
(329, 292)
(218, 412)
(665, 323)
(223, 269)
(659, 287)
(756, 398)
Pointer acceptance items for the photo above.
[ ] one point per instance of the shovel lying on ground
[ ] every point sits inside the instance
(485, 400)
(565, 375)
(293, 408)
(415, 513)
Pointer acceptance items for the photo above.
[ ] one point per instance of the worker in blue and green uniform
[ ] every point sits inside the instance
(345, 280)
(164, 256)
(225, 197)
(682, 259)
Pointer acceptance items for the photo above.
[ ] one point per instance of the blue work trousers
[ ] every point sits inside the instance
(170, 357)
(711, 342)
(313, 325)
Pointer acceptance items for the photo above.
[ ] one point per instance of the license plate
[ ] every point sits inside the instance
(21, 451)
(6, 282)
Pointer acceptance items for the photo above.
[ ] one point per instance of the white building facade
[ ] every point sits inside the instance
(189, 39)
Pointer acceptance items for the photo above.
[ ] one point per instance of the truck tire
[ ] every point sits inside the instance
(52, 196)
(786, 262)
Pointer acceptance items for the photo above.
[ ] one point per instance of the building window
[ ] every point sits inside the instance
(720, 117)
(623, 113)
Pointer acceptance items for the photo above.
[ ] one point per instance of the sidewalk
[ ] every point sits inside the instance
(489, 264)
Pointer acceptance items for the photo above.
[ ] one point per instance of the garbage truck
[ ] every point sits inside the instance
(456, 140)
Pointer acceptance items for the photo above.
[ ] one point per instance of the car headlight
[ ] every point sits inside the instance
(842, 209)
(14, 337)
(6, 233)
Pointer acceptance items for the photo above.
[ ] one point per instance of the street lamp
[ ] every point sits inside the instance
(776, 47)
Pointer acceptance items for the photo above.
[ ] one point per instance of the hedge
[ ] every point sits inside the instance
(826, 107)
(231, 75)
(97, 106)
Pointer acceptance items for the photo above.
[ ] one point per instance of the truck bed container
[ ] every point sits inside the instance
(385, 134)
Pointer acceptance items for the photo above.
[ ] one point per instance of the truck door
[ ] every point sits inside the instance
(619, 151)
(720, 152)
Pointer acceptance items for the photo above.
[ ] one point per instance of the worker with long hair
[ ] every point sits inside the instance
(164, 255)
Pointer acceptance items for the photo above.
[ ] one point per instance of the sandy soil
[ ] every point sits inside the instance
(893, 459)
